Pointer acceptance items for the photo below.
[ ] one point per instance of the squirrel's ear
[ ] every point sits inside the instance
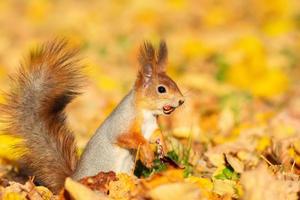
(146, 61)
(162, 57)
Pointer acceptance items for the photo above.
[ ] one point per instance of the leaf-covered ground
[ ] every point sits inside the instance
(237, 63)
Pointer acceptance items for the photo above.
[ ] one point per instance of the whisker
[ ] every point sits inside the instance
(191, 95)
(188, 96)
(183, 106)
(186, 92)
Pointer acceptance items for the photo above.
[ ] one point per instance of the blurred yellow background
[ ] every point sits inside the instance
(227, 56)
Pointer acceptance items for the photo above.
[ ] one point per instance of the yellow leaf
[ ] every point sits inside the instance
(204, 184)
(45, 193)
(293, 153)
(38, 10)
(263, 143)
(274, 82)
(194, 47)
(121, 188)
(14, 196)
(250, 70)
(216, 16)
(278, 27)
(187, 132)
(6, 144)
(147, 16)
(264, 116)
(177, 4)
(103, 81)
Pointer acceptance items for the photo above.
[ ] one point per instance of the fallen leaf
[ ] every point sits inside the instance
(260, 184)
(121, 188)
(205, 185)
(100, 181)
(175, 191)
(225, 187)
(235, 163)
(80, 192)
(14, 196)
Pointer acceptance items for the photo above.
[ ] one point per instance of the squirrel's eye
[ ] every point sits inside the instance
(161, 89)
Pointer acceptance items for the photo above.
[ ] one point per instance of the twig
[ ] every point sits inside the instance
(136, 158)
(265, 159)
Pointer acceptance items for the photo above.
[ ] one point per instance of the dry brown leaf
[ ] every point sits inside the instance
(26, 191)
(261, 184)
(100, 181)
(284, 152)
(249, 159)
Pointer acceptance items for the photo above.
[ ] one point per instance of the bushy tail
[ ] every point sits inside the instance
(34, 112)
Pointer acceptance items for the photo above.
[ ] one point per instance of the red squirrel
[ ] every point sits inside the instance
(35, 112)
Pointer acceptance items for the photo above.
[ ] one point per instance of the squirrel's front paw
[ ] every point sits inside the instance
(146, 155)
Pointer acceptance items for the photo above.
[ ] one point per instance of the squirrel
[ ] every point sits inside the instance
(35, 112)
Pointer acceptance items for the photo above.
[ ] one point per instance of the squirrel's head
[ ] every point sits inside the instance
(156, 91)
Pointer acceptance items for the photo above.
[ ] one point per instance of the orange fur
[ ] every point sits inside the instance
(134, 139)
(152, 73)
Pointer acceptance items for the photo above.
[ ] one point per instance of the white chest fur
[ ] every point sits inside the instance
(149, 124)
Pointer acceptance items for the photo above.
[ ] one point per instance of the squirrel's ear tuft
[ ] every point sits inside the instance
(147, 60)
(162, 57)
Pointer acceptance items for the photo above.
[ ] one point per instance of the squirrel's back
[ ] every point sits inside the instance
(34, 112)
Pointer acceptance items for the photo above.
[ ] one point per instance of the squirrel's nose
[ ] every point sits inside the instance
(180, 102)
